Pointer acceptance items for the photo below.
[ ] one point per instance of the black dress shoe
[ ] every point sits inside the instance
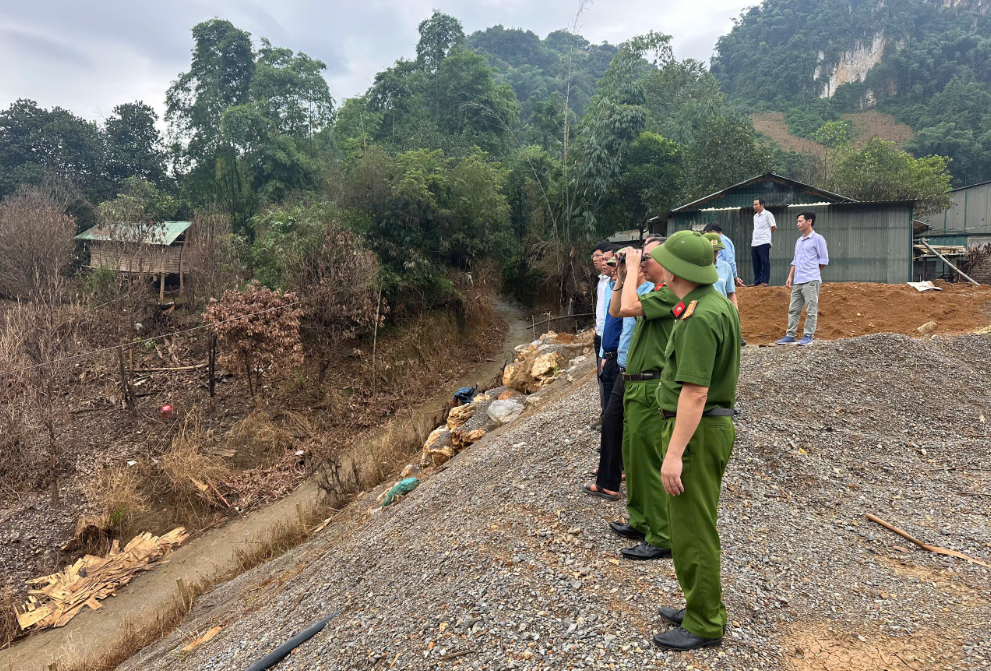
(676, 616)
(682, 639)
(626, 531)
(645, 551)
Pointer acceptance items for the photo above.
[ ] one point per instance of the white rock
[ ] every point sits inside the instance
(505, 411)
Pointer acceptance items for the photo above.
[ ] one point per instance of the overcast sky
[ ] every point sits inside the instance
(90, 55)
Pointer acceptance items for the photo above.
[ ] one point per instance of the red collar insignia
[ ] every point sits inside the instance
(678, 309)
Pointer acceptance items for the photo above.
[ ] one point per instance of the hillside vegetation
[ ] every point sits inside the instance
(927, 64)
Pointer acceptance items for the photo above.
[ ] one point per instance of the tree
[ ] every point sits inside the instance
(292, 91)
(35, 143)
(614, 117)
(649, 182)
(467, 101)
(439, 35)
(134, 145)
(338, 284)
(258, 330)
(881, 171)
(36, 236)
(219, 77)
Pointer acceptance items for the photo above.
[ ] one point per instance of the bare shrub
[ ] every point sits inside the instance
(258, 441)
(342, 473)
(123, 501)
(187, 474)
(211, 255)
(338, 286)
(258, 330)
(22, 460)
(9, 630)
(38, 338)
(37, 239)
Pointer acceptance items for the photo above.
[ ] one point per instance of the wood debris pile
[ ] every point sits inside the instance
(55, 599)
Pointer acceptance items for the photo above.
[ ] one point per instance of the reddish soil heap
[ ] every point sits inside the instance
(851, 309)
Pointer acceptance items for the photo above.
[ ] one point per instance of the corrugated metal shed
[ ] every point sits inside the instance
(777, 191)
(164, 233)
(969, 213)
(868, 242)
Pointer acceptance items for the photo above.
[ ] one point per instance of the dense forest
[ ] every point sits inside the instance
(495, 146)
(934, 70)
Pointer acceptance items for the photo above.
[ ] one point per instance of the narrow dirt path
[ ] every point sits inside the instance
(211, 555)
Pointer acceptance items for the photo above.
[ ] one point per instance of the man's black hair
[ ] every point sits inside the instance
(603, 246)
(712, 228)
(809, 216)
(761, 201)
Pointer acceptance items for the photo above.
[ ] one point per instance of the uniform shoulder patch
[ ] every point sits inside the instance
(678, 309)
(689, 311)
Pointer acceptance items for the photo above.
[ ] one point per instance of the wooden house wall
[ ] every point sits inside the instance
(149, 259)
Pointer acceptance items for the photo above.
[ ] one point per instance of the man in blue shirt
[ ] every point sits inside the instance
(610, 472)
(727, 253)
(612, 328)
(805, 278)
(726, 286)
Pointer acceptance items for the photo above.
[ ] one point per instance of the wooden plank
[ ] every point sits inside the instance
(202, 639)
(30, 618)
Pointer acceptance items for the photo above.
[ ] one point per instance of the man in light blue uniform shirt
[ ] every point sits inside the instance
(725, 285)
(728, 253)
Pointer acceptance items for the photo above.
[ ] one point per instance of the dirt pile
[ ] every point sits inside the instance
(850, 309)
(500, 562)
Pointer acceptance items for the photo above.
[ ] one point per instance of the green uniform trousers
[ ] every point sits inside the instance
(692, 518)
(646, 500)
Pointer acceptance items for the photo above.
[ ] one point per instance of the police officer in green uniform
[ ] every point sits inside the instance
(696, 396)
(646, 502)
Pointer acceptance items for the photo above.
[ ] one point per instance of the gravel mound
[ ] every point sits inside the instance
(501, 557)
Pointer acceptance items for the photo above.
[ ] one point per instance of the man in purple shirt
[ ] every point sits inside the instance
(805, 279)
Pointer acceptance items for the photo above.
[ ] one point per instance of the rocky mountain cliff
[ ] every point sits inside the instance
(927, 62)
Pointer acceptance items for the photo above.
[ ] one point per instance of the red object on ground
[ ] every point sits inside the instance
(166, 412)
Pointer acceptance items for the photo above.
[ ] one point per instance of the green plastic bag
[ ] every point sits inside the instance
(402, 488)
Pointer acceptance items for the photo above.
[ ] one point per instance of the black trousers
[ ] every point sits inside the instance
(610, 371)
(761, 256)
(611, 455)
(597, 344)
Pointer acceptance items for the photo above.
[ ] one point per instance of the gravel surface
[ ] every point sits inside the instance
(501, 557)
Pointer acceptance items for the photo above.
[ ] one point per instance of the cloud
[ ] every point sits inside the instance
(23, 47)
(90, 56)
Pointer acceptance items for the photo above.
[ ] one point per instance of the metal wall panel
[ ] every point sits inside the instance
(868, 242)
(969, 213)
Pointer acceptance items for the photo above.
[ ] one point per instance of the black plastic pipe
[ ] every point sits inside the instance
(280, 653)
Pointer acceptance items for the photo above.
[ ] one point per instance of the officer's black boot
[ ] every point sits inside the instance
(681, 639)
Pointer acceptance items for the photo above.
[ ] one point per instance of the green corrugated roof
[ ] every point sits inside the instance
(164, 233)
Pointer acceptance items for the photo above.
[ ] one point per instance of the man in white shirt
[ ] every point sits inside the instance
(760, 245)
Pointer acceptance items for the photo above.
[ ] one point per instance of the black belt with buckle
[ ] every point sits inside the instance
(715, 412)
(609, 356)
(639, 377)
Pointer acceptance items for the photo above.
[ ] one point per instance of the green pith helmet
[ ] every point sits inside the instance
(716, 240)
(687, 255)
